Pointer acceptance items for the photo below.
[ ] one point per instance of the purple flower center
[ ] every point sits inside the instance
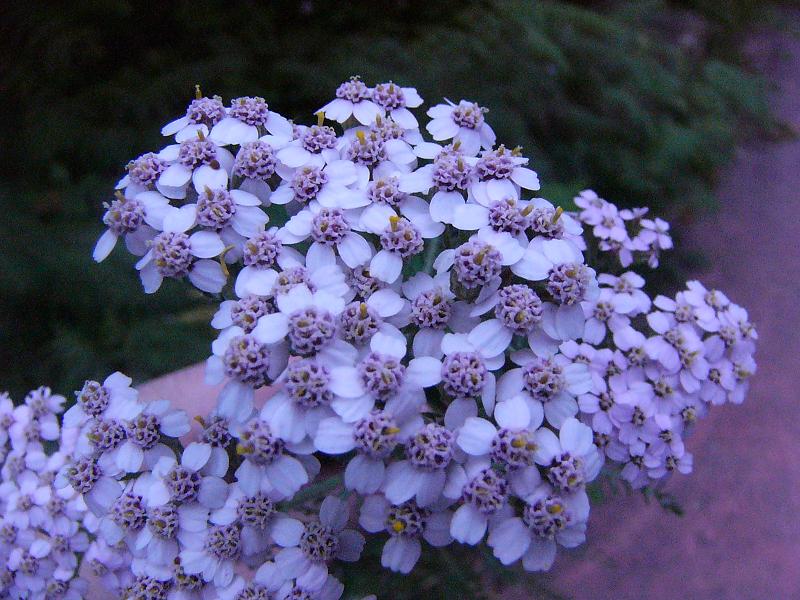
(463, 375)
(261, 250)
(476, 264)
(431, 448)
(255, 160)
(519, 308)
(247, 360)
(381, 374)
(250, 110)
(359, 322)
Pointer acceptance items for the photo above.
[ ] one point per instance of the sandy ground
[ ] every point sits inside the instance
(740, 536)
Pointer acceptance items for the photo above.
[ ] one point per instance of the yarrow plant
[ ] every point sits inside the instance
(443, 364)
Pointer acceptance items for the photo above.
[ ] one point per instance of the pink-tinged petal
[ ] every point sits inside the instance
(476, 435)
(208, 276)
(175, 176)
(444, 204)
(104, 246)
(443, 128)
(386, 266)
(364, 474)
(334, 436)
(509, 540)
(271, 328)
(206, 244)
(286, 532)
(195, 456)
(491, 338)
(405, 118)
(207, 176)
(354, 250)
(575, 437)
(337, 110)
(232, 131)
(468, 525)
(400, 554)
(540, 555)
(469, 217)
(512, 413)
(526, 178)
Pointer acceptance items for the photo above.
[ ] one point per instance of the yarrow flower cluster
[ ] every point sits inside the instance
(435, 345)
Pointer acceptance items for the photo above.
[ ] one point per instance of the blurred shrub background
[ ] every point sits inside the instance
(642, 100)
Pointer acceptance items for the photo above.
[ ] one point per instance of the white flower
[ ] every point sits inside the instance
(114, 397)
(329, 184)
(405, 524)
(314, 146)
(247, 119)
(430, 466)
(547, 384)
(201, 114)
(198, 161)
(268, 467)
(548, 518)
(396, 100)
(329, 228)
(463, 123)
(143, 447)
(306, 560)
(353, 98)
(136, 219)
(373, 437)
(175, 254)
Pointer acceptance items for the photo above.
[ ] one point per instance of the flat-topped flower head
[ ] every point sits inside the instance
(197, 152)
(381, 374)
(464, 375)
(175, 254)
(432, 308)
(258, 444)
(367, 148)
(318, 138)
(363, 283)
(568, 283)
(307, 182)
(208, 111)
(507, 215)
(353, 99)
(247, 360)
(396, 101)
(201, 115)
(246, 311)
(307, 383)
(124, 215)
(376, 434)
(476, 263)
(431, 448)
(262, 250)
(329, 226)
(255, 160)
(359, 322)
(145, 170)
(386, 190)
(252, 110)
(401, 237)
(464, 123)
(519, 308)
(451, 172)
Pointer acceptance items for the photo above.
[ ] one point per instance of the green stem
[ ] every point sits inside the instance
(431, 252)
(316, 490)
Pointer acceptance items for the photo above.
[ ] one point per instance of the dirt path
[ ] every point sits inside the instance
(740, 537)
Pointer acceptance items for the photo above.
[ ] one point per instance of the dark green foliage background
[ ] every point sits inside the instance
(611, 95)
